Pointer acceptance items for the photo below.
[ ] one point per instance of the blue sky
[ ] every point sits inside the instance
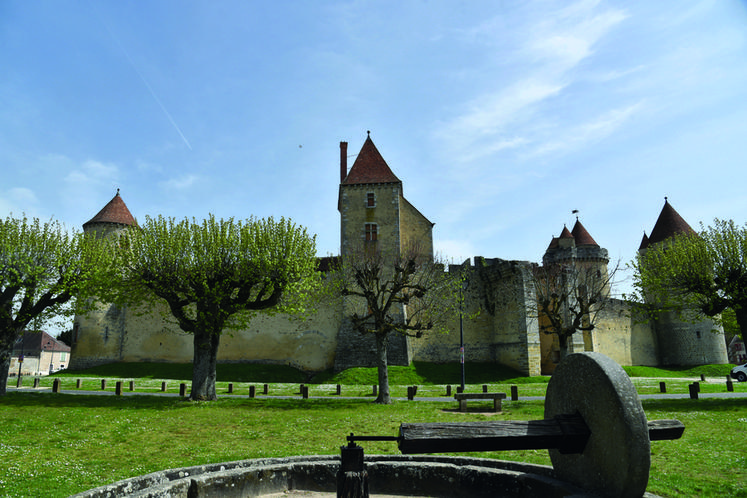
(500, 117)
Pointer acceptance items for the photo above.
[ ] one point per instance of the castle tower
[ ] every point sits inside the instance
(113, 218)
(374, 214)
(98, 336)
(373, 209)
(682, 341)
(577, 249)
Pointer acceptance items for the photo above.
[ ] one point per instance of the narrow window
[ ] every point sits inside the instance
(371, 231)
(370, 199)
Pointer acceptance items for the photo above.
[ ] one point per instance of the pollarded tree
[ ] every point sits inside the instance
(705, 272)
(568, 298)
(406, 293)
(216, 274)
(43, 267)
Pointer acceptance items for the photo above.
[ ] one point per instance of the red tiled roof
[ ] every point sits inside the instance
(669, 223)
(114, 212)
(31, 342)
(581, 236)
(369, 167)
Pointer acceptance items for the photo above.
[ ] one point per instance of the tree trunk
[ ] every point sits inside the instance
(563, 340)
(741, 314)
(4, 369)
(381, 362)
(204, 366)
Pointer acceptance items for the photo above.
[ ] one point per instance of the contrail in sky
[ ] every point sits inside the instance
(142, 78)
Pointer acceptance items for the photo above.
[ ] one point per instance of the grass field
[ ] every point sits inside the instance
(57, 445)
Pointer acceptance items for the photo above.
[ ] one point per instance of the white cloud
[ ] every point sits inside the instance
(92, 173)
(510, 116)
(19, 201)
(456, 251)
(181, 183)
(582, 134)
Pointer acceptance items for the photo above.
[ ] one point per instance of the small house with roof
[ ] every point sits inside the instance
(38, 353)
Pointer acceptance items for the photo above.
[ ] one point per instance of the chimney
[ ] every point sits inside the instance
(343, 161)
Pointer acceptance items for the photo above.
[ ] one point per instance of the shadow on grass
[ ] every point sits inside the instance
(695, 405)
(156, 402)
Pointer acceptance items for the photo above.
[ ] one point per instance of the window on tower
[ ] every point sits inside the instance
(370, 199)
(371, 232)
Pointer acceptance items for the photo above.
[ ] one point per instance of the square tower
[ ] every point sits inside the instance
(373, 211)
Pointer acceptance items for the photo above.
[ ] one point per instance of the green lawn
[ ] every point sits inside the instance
(57, 445)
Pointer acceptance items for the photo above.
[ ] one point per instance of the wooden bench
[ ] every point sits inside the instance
(463, 397)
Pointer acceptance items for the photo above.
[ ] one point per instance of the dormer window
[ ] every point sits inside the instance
(370, 200)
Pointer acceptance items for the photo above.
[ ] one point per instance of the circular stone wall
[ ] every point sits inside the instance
(388, 475)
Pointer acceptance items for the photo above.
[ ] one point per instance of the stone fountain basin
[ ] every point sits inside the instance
(403, 475)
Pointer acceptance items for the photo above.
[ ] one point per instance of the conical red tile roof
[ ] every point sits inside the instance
(644, 242)
(369, 167)
(581, 236)
(555, 242)
(670, 223)
(114, 212)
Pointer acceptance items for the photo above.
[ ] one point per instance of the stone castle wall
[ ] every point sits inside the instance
(689, 342)
(498, 325)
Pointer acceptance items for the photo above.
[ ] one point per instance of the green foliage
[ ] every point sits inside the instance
(220, 270)
(216, 274)
(42, 267)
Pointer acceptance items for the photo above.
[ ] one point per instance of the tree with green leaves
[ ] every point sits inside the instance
(704, 273)
(404, 293)
(217, 274)
(42, 268)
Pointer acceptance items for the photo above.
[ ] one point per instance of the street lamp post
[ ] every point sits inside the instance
(462, 288)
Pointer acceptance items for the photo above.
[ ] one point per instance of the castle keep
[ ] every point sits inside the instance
(373, 209)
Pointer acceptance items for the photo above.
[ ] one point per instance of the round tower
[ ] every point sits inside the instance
(587, 262)
(578, 247)
(98, 336)
(114, 218)
(682, 339)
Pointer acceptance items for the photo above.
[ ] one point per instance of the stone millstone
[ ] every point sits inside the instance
(617, 457)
